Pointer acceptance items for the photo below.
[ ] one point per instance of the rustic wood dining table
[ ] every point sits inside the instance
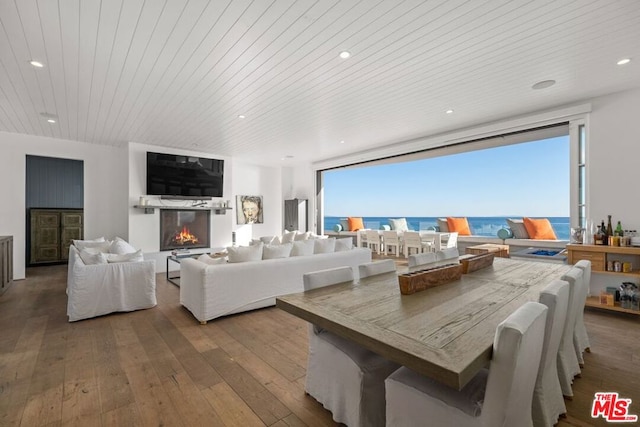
(445, 332)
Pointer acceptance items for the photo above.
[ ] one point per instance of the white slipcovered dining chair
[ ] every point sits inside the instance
(375, 268)
(413, 240)
(448, 253)
(580, 336)
(548, 403)
(413, 399)
(568, 366)
(391, 240)
(417, 260)
(344, 377)
(374, 240)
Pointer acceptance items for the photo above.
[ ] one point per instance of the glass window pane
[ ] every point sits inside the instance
(581, 185)
(581, 145)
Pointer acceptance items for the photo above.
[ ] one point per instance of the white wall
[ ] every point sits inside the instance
(105, 176)
(614, 159)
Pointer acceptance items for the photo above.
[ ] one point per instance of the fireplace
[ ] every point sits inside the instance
(184, 229)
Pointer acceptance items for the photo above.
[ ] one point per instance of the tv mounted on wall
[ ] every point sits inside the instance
(184, 177)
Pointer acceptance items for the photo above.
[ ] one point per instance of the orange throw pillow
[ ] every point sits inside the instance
(539, 229)
(461, 225)
(355, 224)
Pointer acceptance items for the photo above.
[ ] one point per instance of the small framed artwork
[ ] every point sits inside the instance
(249, 209)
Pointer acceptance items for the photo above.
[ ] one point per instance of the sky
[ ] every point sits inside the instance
(527, 179)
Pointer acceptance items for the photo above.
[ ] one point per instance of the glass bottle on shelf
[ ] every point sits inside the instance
(603, 231)
(599, 237)
(619, 231)
(609, 227)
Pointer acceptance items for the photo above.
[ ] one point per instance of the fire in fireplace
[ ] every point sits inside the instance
(184, 229)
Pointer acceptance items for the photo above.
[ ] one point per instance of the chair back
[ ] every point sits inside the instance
(376, 267)
(452, 241)
(422, 259)
(548, 402)
(373, 236)
(576, 283)
(585, 266)
(412, 238)
(331, 276)
(390, 237)
(517, 348)
(448, 253)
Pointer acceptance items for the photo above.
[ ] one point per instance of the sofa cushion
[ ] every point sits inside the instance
(539, 229)
(129, 257)
(303, 248)
(324, 246)
(277, 251)
(245, 253)
(443, 226)
(288, 236)
(345, 244)
(93, 258)
(460, 225)
(205, 258)
(518, 228)
(121, 246)
(399, 224)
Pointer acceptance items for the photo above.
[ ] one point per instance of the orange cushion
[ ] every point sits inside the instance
(355, 223)
(539, 229)
(461, 225)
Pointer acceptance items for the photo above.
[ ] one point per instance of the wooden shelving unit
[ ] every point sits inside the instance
(599, 255)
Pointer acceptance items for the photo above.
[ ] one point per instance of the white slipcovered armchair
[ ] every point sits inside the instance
(94, 290)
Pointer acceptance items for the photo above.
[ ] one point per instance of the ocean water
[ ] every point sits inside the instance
(480, 226)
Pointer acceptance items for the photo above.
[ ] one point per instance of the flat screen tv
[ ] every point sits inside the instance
(187, 177)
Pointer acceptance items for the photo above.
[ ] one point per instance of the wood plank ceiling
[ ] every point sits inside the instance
(178, 73)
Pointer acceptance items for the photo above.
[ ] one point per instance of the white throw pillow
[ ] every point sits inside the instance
(129, 257)
(288, 236)
(270, 240)
(245, 253)
(399, 224)
(303, 248)
(99, 246)
(302, 236)
(443, 225)
(344, 244)
(93, 258)
(277, 251)
(212, 261)
(324, 246)
(121, 246)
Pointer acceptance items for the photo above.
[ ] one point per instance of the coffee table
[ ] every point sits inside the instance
(178, 259)
(501, 251)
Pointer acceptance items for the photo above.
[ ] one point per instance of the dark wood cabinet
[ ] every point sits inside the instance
(295, 215)
(52, 231)
(6, 262)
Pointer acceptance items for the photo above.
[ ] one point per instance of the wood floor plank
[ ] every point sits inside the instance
(230, 407)
(258, 398)
(161, 367)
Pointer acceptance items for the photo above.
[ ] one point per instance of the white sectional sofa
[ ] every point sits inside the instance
(211, 291)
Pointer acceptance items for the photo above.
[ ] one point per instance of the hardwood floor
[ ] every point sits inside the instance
(161, 367)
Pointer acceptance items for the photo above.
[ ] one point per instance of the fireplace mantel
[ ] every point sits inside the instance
(149, 209)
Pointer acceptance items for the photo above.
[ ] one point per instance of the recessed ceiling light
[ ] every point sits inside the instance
(345, 54)
(543, 84)
(624, 61)
(341, 142)
(51, 120)
(36, 64)
(241, 116)
(449, 111)
(49, 116)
